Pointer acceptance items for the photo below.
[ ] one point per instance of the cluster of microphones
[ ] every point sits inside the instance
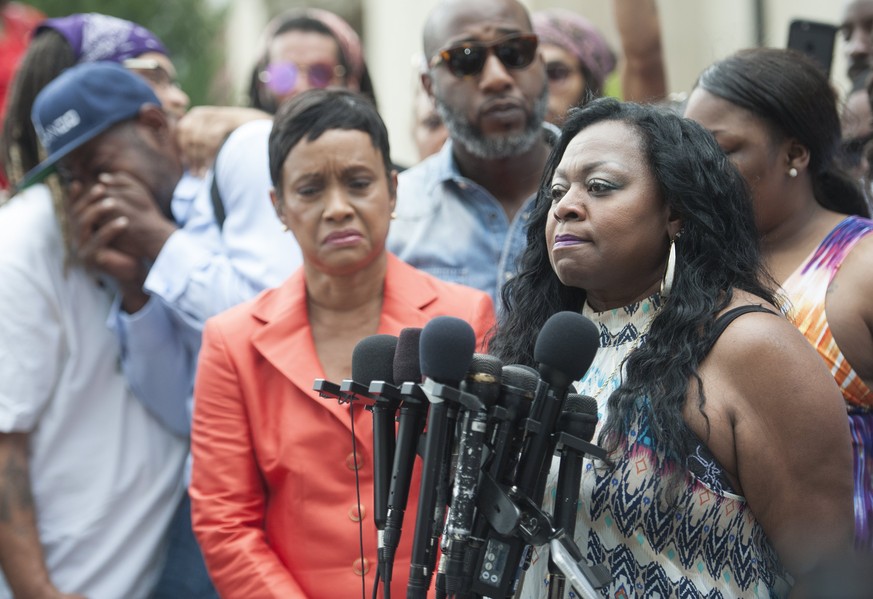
(486, 434)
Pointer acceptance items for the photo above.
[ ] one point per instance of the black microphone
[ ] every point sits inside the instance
(564, 349)
(578, 420)
(369, 361)
(413, 409)
(483, 382)
(516, 396)
(373, 360)
(446, 350)
(504, 446)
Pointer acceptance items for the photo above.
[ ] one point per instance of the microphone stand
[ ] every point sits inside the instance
(577, 422)
(514, 517)
(413, 410)
(566, 555)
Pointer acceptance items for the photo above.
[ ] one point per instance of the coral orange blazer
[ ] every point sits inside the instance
(273, 484)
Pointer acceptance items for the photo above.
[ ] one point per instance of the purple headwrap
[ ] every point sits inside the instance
(346, 36)
(578, 36)
(96, 37)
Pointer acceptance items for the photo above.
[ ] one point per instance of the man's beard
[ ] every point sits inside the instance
(494, 146)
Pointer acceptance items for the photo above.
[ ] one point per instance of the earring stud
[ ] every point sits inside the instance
(792, 172)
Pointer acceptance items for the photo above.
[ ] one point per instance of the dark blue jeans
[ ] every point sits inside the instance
(184, 575)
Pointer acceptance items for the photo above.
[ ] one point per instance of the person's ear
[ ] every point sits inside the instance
(277, 206)
(392, 189)
(155, 120)
(797, 157)
(427, 84)
(674, 225)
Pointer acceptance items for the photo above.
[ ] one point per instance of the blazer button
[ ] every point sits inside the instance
(350, 462)
(357, 513)
(361, 568)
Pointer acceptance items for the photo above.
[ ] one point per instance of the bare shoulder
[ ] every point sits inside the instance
(769, 363)
(756, 334)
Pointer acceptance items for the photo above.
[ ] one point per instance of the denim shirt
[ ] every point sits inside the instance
(454, 229)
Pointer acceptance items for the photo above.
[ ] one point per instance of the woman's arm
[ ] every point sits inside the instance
(158, 351)
(203, 270)
(227, 491)
(791, 440)
(850, 311)
(643, 77)
(203, 129)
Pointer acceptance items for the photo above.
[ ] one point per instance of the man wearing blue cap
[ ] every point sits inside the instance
(89, 477)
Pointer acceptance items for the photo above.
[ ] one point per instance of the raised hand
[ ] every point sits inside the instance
(203, 129)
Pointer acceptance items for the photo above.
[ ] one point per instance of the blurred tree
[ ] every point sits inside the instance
(191, 30)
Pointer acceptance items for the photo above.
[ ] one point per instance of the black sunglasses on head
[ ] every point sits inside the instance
(515, 51)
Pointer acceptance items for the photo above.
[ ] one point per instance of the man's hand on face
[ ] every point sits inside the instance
(126, 206)
(115, 223)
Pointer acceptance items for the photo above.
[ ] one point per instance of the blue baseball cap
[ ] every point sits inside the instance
(80, 104)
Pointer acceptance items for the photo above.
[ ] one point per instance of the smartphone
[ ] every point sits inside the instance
(816, 40)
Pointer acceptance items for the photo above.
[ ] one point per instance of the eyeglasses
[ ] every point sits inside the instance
(467, 59)
(151, 70)
(281, 77)
(558, 72)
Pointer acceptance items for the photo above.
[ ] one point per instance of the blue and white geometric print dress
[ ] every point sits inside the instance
(706, 543)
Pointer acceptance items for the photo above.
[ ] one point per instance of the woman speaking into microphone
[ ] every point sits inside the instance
(731, 471)
(276, 466)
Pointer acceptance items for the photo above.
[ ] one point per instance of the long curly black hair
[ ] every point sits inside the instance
(717, 253)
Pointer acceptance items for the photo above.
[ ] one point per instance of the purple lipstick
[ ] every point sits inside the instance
(562, 241)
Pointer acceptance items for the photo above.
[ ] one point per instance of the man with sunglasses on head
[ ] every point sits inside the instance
(461, 214)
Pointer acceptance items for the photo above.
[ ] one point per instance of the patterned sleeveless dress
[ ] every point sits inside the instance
(706, 544)
(807, 289)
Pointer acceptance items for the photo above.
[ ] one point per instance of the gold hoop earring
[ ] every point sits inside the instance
(670, 273)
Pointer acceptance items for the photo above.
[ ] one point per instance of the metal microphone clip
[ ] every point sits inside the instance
(329, 390)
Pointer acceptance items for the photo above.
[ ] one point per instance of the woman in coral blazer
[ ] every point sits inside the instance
(274, 480)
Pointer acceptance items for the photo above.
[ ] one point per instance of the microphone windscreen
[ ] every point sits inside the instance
(579, 417)
(446, 349)
(483, 378)
(567, 343)
(373, 359)
(487, 366)
(407, 368)
(580, 404)
(521, 377)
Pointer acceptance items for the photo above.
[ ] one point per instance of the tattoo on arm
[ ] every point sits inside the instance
(15, 494)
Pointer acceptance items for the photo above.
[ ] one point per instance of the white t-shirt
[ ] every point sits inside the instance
(105, 475)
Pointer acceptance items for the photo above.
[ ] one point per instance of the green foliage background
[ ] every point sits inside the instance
(190, 29)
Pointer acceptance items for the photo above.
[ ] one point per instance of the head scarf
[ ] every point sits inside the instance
(346, 37)
(578, 36)
(94, 37)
